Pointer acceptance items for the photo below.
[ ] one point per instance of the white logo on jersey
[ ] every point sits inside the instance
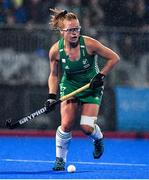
(86, 66)
(63, 88)
(62, 92)
(63, 60)
(85, 61)
(66, 67)
(97, 97)
(83, 52)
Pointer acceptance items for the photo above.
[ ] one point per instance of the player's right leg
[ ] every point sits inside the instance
(63, 133)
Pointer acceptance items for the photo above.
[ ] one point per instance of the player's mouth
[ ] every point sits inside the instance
(74, 38)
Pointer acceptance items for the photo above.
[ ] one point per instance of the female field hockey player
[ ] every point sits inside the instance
(74, 56)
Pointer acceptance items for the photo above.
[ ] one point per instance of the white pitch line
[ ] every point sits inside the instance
(26, 160)
(76, 162)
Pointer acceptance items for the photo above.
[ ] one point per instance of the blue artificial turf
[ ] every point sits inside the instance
(33, 158)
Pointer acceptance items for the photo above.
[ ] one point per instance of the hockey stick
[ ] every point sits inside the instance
(17, 123)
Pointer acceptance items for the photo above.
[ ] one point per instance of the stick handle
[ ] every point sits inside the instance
(21, 121)
(63, 98)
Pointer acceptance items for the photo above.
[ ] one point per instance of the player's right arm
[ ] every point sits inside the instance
(54, 69)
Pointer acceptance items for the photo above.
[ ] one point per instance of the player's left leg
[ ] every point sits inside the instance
(90, 128)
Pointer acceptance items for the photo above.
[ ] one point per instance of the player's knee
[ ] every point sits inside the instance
(87, 124)
(86, 129)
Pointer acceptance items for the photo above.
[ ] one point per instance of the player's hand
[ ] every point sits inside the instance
(97, 81)
(50, 103)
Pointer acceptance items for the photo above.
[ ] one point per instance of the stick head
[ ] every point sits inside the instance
(8, 124)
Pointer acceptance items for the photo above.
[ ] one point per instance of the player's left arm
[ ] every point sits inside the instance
(95, 47)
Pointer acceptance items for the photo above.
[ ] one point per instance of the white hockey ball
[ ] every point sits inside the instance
(71, 168)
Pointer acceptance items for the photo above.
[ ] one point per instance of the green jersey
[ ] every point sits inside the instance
(78, 73)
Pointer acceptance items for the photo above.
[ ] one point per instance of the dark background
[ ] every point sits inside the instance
(25, 39)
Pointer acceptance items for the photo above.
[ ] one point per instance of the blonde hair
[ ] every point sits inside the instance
(56, 21)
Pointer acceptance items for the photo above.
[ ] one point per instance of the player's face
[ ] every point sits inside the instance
(71, 30)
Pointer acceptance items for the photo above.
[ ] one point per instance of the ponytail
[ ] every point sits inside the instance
(56, 21)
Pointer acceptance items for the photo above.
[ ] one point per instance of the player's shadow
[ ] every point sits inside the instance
(40, 172)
